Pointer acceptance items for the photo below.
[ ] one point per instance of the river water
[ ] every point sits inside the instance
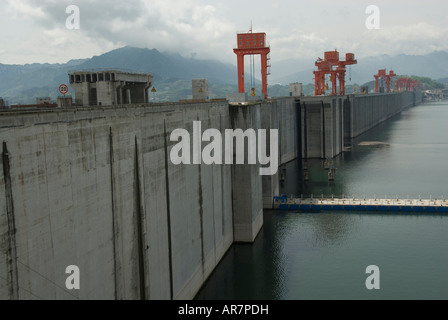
(299, 256)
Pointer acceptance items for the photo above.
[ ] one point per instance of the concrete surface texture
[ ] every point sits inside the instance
(296, 89)
(366, 111)
(94, 187)
(322, 126)
(200, 89)
(246, 180)
(327, 120)
(88, 187)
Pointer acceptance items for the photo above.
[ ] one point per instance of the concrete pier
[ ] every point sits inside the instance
(246, 180)
(282, 114)
(322, 126)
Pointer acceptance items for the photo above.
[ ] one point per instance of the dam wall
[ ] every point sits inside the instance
(322, 126)
(363, 112)
(96, 188)
(282, 114)
(327, 120)
(93, 187)
(246, 179)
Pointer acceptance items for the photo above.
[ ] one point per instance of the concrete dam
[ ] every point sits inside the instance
(94, 187)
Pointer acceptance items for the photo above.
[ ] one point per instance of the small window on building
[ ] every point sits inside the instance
(241, 43)
(78, 78)
(253, 37)
(89, 78)
(113, 76)
(247, 37)
(108, 76)
(241, 37)
(100, 76)
(247, 43)
(72, 78)
(95, 77)
(261, 42)
(83, 78)
(255, 42)
(261, 36)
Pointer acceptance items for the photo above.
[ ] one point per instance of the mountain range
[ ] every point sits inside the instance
(21, 84)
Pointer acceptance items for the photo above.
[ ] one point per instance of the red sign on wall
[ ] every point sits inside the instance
(63, 89)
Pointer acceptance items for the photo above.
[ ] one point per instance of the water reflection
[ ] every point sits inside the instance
(251, 271)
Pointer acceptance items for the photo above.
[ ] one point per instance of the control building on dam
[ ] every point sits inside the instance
(94, 187)
(110, 87)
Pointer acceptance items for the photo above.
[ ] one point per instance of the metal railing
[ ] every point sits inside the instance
(363, 197)
(110, 70)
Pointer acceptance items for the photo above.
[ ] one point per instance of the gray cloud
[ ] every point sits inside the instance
(169, 24)
(295, 29)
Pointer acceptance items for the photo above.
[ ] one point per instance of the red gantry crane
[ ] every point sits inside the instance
(414, 85)
(250, 44)
(382, 74)
(323, 68)
(335, 68)
(406, 84)
(341, 69)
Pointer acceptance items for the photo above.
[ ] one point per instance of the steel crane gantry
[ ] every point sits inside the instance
(336, 68)
(382, 74)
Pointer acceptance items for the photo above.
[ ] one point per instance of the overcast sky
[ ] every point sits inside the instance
(35, 30)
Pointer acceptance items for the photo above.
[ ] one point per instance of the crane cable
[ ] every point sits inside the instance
(252, 74)
(252, 78)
